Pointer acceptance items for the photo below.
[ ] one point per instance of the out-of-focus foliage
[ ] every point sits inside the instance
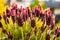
(36, 2)
(44, 6)
(58, 24)
(2, 6)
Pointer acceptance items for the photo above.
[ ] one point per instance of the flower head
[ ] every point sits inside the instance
(20, 21)
(57, 32)
(14, 5)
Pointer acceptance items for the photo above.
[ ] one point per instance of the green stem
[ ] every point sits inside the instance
(22, 34)
(36, 37)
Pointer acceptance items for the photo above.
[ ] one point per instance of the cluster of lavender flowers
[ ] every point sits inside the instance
(20, 15)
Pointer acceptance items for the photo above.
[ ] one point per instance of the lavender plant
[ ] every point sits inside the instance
(23, 25)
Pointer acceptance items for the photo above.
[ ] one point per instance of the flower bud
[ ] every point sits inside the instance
(10, 35)
(48, 20)
(1, 25)
(28, 34)
(43, 28)
(33, 24)
(35, 30)
(47, 37)
(3, 30)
